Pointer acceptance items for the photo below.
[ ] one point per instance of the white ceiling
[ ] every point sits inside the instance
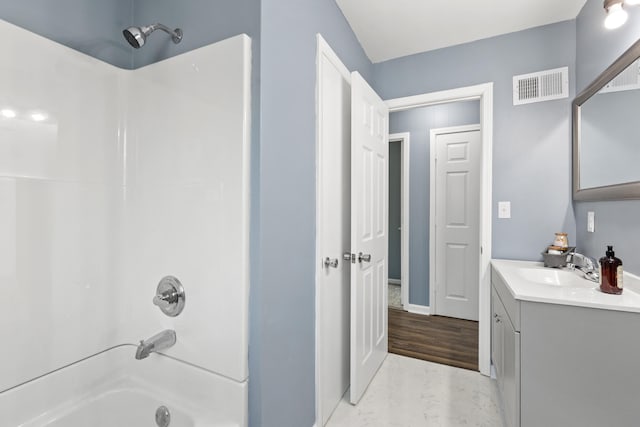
(390, 29)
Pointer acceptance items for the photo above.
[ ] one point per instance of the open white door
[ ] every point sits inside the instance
(369, 237)
(333, 231)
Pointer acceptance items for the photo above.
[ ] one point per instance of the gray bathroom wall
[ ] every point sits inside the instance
(202, 21)
(92, 27)
(419, 122)
(95, 27)
(597, 47)
(395, 211)
(282, 353)
(616, 222)
(531, 145)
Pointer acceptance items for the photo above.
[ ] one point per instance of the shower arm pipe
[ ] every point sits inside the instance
(176, 35)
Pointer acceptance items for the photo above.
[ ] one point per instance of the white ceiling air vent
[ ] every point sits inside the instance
(541, 86)
(628, 79)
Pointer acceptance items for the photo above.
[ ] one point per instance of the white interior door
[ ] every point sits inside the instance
(457, 247)
(369, 233)
(334, 229)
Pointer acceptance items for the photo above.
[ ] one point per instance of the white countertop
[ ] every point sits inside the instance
(531, 281)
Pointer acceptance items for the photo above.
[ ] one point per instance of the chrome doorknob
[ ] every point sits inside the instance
(328, 262)
(364, 257)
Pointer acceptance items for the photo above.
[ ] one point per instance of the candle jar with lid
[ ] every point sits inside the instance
(561, 241)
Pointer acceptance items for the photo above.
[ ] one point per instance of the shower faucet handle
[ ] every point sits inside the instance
(165, 299)
(170, 296)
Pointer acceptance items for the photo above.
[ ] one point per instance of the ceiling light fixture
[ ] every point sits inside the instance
(38, 117)
(616, 15)
(7, 113)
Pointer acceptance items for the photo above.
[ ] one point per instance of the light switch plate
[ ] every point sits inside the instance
(504, 209)
(591, 222)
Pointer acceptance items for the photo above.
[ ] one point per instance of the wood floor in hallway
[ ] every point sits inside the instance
(439, 339)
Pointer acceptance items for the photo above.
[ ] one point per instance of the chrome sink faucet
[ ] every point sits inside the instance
(585, 264)
(156, 343)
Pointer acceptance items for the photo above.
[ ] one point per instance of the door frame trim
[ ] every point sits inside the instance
(483, 92)
(404, 138)
(322, 50)
(432, 204)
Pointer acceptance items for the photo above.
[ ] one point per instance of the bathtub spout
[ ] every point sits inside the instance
(158, 342)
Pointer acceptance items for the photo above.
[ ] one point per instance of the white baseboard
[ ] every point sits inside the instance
(395, 281)
(417, 309)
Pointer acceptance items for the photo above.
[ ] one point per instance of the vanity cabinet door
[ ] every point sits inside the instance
(511, 373)
(505, 354)
(497, 346)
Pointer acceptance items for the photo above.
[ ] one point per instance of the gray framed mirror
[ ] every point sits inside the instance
(606, 133)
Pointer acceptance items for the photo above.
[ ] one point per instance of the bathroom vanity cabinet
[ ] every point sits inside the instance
(561, 361)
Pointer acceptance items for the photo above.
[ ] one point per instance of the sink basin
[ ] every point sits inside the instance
(548, 276)
(531, 281)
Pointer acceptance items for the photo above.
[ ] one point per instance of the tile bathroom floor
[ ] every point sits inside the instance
(394, 296)
(409, 392)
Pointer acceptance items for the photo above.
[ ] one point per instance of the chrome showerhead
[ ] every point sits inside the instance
(137, 36)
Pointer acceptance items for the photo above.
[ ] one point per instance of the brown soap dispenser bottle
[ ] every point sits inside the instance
(610, 273)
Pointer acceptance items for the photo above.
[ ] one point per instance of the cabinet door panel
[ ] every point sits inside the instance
(505, 354)
(496, 336)
(511, 374)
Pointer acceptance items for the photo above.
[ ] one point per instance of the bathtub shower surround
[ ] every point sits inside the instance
(110, 180)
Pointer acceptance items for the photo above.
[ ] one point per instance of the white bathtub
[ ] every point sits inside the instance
(113, 389)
